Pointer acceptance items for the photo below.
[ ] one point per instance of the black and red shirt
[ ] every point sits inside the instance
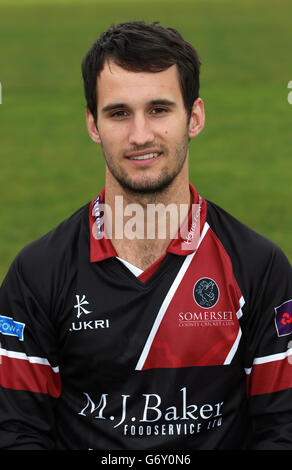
(193, 353)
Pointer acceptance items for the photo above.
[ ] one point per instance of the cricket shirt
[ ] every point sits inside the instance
(193, 353)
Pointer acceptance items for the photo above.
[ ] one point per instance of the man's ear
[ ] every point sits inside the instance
(197, 119)
(91, 126)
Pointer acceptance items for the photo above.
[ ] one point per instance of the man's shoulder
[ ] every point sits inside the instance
(51, 248)
(241, 241)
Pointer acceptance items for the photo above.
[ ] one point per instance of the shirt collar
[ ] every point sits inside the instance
(184, 243)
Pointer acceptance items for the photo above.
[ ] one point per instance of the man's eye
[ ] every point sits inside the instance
(119, 114)
(159, 110)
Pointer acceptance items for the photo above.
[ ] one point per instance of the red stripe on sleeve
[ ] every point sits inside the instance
(20, 374)
(269, 377)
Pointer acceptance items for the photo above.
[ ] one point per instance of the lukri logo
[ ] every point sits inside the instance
(86, 325)
(79, 305)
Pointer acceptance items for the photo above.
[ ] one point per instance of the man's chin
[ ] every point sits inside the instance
(146, 187)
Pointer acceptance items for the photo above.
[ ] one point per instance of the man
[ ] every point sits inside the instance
(130, 341)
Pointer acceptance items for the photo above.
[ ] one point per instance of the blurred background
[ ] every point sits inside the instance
(242, 159)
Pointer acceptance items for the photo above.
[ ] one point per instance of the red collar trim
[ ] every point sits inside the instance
(184, 243)
(189, 233)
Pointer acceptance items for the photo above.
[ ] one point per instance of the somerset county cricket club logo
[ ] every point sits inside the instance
(206, 292)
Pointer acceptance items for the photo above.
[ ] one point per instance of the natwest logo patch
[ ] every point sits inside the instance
(10, 327)
(206, 292)
(283, 318)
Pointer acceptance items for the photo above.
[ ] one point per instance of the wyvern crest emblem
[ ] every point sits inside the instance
(206, 292)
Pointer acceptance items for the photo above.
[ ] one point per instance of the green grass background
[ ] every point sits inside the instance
(241, 161)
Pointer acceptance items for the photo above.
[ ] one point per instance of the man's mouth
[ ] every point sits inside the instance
(146, 156)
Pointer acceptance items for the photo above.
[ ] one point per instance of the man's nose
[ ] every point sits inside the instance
(141, 131)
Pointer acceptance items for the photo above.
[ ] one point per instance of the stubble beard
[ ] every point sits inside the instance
(146, 186)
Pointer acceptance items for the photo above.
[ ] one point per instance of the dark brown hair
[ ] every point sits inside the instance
(138, 46)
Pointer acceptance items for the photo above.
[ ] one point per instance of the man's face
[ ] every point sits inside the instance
(142, 127)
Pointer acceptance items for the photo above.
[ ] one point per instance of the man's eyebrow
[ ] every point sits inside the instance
(113, 106)
(162, 102)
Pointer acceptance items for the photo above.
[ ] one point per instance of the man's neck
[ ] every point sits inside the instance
(143, 225)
